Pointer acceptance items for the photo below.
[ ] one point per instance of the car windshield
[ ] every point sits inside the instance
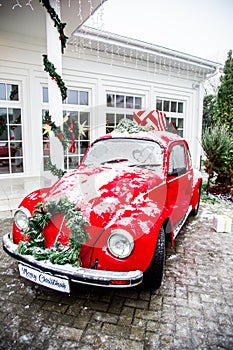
(128, 151)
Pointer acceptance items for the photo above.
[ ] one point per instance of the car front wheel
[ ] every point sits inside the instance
(152, 277)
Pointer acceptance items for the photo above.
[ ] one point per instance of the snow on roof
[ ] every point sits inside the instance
(163, 137)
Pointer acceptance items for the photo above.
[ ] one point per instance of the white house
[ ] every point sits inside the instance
(108, 77)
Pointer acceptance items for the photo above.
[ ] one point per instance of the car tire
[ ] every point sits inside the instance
(152, 277)
(194, 211)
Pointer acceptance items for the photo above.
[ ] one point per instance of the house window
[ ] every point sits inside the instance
(123, 101)
(76, 127)
(74, 97)
(112, 119)
(9, 92)
(11, 143)
(174, 111)
(120, 106)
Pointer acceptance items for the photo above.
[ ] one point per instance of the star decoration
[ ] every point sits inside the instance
(82, 128)
(47, 129)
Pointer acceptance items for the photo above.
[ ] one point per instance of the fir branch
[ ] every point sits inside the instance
(54, 170)
(49, 67)
(57, 23)
(130, 126)
(47, 120)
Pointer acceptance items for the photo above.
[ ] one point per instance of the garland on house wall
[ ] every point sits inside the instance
(59, 254)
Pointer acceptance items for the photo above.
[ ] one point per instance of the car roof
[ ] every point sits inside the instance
(165, 138)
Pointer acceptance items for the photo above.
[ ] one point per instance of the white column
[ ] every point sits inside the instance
(55, 100)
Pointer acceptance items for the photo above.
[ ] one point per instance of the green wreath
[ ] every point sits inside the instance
(59, 254)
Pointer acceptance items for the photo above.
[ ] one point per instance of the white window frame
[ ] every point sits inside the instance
(174, 117)
(117, 113)
(14, 104)
(69, 108)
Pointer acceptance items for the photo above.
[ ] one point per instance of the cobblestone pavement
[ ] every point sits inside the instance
(192, 310)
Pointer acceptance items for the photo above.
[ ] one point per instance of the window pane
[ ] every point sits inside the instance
(120, 101)
(180, 123)
(12, 92)
(173, 121)
(159, 105)
(84, 98)
(110, 122)
(2, 91)
(16, 149)
(180, 107)
(72, 125)
(45, 95)
(129, 101)
(173, 106)
(14, 115)
(85, 117)
(119, 117)
(138, 102)
(110, 119)
(72, 97)
(129, 116)
(180, 133)
(84, 129)
(46, 147)
(17, 165)
(110, 100)
(73, 162)
(166, 106)
(4, 149)
(3, 124)
(83, 146)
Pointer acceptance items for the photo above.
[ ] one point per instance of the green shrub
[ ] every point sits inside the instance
(217, 144)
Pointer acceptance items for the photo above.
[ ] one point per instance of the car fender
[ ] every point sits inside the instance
(29, 202)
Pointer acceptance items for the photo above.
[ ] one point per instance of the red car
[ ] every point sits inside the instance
(106, 223)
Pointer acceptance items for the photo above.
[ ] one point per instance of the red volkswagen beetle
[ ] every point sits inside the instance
(106, 223)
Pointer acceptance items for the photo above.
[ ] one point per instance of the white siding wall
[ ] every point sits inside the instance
(21, 63)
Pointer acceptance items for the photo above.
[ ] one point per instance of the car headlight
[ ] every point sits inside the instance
(120, 243)
(21, 218)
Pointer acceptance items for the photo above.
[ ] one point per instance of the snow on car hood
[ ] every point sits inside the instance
(108, 195)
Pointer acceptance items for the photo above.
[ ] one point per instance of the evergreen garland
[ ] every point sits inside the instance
(47, 120)
(130, 126)
(57, 23)
(59, 254)
(49, 67)
(54, 170)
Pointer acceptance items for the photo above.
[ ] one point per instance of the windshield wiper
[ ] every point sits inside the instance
(144, 165)
(119, 160)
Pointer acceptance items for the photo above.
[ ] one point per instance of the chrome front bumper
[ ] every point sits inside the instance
(80, 275)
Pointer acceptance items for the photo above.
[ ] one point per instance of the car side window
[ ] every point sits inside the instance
(177, 161)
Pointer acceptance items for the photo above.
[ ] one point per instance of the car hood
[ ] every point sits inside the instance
(106, 194)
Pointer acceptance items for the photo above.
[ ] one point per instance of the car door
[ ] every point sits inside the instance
(179, 181)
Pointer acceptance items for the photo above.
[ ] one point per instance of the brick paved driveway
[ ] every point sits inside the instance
(192, 310)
